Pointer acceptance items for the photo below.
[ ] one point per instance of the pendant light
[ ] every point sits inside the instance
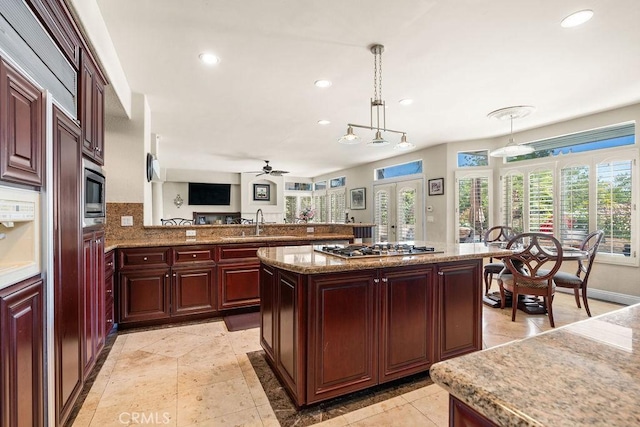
(512, 149)
(377, 104)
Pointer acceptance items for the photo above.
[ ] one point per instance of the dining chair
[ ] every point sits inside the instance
(499, 233)
(536, 258)
(575, 281)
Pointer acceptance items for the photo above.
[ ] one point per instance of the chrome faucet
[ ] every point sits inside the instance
(258, 228)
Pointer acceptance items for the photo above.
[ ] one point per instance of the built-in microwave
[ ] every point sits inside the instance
(94, 205)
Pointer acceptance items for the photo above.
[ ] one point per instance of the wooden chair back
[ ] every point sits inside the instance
(589, 244)
(176, 221)
(536, 258)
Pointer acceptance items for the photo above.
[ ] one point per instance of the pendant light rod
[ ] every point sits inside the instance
(375, 128)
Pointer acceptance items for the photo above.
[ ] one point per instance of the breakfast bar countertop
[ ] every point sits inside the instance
(305, 260)
(586, 373)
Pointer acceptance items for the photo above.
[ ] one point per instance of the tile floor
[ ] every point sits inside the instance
(200, 375)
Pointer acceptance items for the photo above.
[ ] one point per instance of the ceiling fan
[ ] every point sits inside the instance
(268, 170)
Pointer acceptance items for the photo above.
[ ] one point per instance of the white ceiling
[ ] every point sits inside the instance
(458, 60)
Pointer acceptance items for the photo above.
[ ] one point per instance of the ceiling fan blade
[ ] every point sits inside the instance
(278, 173)
(261, 173)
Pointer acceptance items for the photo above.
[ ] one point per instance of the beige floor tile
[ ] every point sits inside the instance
(245, 341)
(203, 404)
(207, 329)
(245, 418)
(374, 409)
(174, 345)
(435, 407)
(405, 415)
(338, 421)
(421, 392)
(208, 372)
(138, 410)
(267, 415)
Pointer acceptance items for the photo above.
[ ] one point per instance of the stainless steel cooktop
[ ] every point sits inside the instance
(375, 250)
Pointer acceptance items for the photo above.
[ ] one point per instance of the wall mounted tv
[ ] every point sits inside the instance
(209, 194)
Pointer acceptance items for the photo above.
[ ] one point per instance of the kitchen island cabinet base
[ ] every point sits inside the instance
(330, 334)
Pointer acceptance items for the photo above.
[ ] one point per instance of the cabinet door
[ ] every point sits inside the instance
(193, 290)
(99, 303)
(67, 256)
(98, 120)
(21, 354)
(459, 310)
(239, 285)
(89, 298)
(267, 314)
(86, 107)
(407, 329)
(144, 295)
(21, 128)
(342, 334)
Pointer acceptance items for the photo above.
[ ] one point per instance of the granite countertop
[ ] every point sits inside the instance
(218, 240)
(586, 373)
(303, 259)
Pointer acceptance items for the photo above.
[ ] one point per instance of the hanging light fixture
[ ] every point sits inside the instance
(512, 149)
(377, 104)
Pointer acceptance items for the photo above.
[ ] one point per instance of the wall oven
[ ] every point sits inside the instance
(94, 206)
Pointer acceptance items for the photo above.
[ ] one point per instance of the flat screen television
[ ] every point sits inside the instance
(209, 194)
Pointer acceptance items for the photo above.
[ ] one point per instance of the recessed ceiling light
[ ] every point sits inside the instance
(406, 101)
(322, 83)
(323, 122)
(577, 18)
(209, 58)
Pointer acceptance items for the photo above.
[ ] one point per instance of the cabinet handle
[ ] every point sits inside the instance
(110, 264)
(144, 259)
(109, 291)
(166, 275)
(385, 280)
(174, 274)
(194, 255)
(440, 273)
(376, 280)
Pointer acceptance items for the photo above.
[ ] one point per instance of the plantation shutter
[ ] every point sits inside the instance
(574, 204)
(473, 208)
(614, 206)
(513, 201)
(406, 214)
(337, 206)
(320, 202)
(541, 201)
(381, 215)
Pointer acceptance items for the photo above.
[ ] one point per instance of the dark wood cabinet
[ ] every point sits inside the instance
(94, 297)
(459, 308)
(406, 321)
(342, 333)
(92, 110)
(109, 286)
(21, 354)
(58, 21)
(238, 275)
(67, 265)
(144, 295)
(21, 128)
(330, 334)
(161, 283)
(462, 415)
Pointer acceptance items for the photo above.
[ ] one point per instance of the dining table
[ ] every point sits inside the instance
(527, 303)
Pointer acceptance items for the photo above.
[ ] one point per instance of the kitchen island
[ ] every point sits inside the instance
(586, 373)
(331, 326)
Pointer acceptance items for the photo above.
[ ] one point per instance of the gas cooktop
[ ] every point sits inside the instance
(375, 250)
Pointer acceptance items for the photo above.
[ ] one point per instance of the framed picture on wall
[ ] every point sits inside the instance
(358, 200)
(436, 186)
(261, 192)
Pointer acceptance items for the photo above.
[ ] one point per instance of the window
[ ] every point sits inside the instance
(541, 201)
(576, 195)
(381, 216)
(298, 186)
(320, 185)
(338, 182)
(337, 206)
(294, 204)
(615, 209)
(472, 201)
(473, 158)
(513, 201)
(595, 139)
(404, 169)
(320, 203)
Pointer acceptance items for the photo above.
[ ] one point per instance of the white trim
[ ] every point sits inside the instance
(606, 296)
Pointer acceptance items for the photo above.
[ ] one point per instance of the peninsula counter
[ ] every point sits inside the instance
(583, 374)
(332, 326)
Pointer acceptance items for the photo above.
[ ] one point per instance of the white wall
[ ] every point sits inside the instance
(171, 189)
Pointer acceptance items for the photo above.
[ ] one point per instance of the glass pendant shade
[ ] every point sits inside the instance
(378, 140)
(403, 144)
(349, 138)
(512, 149)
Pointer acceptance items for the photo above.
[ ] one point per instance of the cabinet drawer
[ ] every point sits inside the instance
(190, 254)
(109, 319)
(238, 252)
(152, 257)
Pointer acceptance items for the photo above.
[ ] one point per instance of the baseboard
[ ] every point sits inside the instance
(607, 296)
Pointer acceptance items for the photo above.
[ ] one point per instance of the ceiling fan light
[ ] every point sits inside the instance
(349, 138)
(403, 144)
(512, 149)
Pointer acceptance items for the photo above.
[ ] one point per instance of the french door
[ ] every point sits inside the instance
(398, 211)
